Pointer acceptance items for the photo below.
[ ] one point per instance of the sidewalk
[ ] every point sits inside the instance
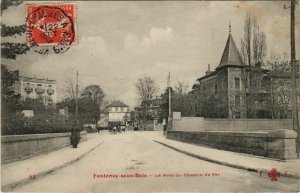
(22, 172)
(234, 159)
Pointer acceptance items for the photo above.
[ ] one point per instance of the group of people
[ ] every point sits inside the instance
(118, 128)
(137, 126)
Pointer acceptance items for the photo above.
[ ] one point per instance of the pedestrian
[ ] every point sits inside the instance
(165, 128)
(75, 136)
(114, 129)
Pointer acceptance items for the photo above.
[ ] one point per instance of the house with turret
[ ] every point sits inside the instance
(230, 92)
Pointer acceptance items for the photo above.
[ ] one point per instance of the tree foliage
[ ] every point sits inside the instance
(12, 30)
(89, 103)
(45, 120)
(11, 50)
(7, 3)
(181, 99)
(146, 89)
(281, 84)
(93, 96)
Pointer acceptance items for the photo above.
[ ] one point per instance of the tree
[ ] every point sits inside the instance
(253, 47)
(10, 50)
(146, 89)
(70, 89)
(253, 43)
(9, 99)
(213, 107)
(181, 100)
(93, 96)
(281, 84)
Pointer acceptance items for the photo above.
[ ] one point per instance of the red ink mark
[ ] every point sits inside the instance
(50, 24)
(274, 174)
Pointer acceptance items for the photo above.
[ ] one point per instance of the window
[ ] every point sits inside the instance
(237, 83)
(112, 109)
(237, 101)
(122, 109)
(216, 88)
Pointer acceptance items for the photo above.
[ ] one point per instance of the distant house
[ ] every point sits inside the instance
(117, 111)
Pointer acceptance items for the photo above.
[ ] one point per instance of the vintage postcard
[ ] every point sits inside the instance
(150, 96)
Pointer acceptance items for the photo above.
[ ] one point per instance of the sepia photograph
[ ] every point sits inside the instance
(150, 96)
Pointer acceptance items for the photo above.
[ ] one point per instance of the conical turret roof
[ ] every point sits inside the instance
(231, 55)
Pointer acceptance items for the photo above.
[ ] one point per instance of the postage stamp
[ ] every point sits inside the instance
(51, 25)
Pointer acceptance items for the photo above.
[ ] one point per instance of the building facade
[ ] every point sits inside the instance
(223, 86)
(36, 88)
(117, 111)
(234, 90)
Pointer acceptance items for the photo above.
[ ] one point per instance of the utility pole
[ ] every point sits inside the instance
(170, 98)
(76, 99)
(294, 77)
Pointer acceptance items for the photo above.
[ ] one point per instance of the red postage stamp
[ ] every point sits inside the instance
(51, 24)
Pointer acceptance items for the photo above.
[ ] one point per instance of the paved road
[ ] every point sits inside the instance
(131, 155)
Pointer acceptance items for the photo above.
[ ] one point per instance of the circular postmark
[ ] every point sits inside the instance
(50, 28)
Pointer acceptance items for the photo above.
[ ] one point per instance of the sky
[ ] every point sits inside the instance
(119, 42)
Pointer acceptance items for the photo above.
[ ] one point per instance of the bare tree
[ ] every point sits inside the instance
(94, 96)
(253, 48)
(259, 44)
(70, 89)
(180, 97)
(246, 41)
(281, 85)
(181, 87)
(146, 89)
(253, 44)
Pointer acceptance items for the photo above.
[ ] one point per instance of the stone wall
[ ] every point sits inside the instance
(204, 124)
(279, 144)
(20, 147)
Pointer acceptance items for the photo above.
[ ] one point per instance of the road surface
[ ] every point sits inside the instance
(132, 162)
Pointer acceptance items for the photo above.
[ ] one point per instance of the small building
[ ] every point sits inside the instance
(36, 88)
(117, 111)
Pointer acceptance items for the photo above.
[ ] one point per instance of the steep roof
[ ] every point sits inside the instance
(117, 104)
(231, 55)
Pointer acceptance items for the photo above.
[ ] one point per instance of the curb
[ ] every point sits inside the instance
(257, 170)
(11, 186)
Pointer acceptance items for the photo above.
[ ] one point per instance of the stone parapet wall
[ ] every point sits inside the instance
(20, 147)
(204, 124)
(279, 144)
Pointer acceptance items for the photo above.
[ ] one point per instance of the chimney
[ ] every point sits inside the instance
(208, 69)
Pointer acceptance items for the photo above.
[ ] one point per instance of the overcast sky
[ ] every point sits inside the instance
(121, 41)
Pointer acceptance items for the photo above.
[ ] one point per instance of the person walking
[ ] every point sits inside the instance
(75, 136)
